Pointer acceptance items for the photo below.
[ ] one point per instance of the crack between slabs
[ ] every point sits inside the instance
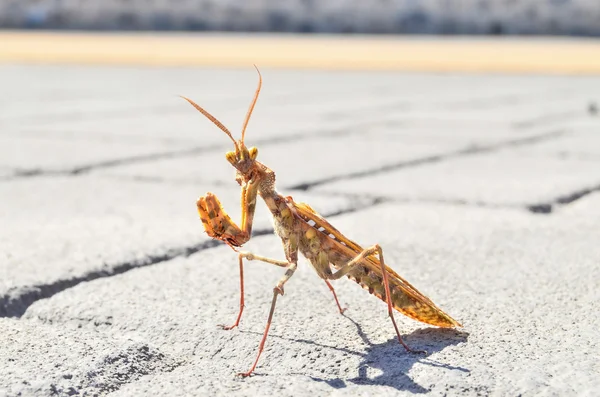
(549, 207)
(436, 158)
(543, 208)
(15, 305)
(16, 301)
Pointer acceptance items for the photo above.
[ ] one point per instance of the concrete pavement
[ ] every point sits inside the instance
(483, 190)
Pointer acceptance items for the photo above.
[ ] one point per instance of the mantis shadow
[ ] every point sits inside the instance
(394, 362)
(390, 358)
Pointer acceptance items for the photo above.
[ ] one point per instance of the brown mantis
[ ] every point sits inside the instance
(300, 228)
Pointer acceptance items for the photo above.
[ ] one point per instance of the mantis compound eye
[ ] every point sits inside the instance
(230, 156)
(253, 153)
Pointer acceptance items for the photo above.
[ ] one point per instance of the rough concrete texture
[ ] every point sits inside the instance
(483, 191)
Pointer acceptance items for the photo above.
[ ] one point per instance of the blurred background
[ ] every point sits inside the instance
(496, 17)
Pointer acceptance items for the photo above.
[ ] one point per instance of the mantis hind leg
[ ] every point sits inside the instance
(344, 270)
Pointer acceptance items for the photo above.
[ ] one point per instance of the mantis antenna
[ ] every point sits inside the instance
(251, 108)
(211, 118)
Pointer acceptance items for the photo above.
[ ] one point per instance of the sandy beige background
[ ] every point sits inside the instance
(473, 54)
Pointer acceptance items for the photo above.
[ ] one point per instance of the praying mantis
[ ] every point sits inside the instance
(302, 229)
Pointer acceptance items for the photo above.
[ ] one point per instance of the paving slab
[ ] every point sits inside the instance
(512, 175)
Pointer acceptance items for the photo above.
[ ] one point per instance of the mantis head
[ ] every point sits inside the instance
(243, 159)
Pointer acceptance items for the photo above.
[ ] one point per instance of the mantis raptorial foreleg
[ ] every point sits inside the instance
(217, 222)
(344, 270)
